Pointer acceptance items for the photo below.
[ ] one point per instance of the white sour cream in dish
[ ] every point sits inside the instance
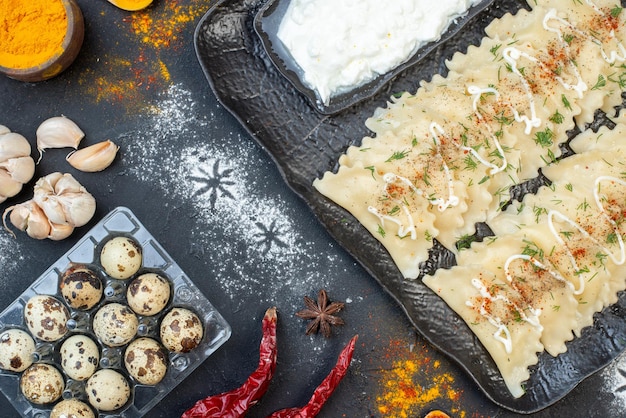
(340, 45)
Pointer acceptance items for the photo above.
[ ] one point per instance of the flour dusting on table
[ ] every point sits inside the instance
(10, 257)
(244, 231)
(614, 378)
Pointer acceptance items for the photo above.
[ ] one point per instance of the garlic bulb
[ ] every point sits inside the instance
(58, 132)
(93, 158)
(16, 165)
(60, 204)
(64, 200)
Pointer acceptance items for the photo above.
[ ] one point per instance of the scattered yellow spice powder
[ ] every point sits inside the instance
(403, 398)
(416, 383)
(165, 27)
(31, 32)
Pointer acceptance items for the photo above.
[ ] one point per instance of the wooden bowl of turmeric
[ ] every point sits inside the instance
(39, 38)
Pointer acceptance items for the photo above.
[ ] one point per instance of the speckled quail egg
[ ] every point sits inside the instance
(146, 361)
(107, 390)
(148, 294)
(42, 383)
(79, 357)
(181, 330)
(72, 408)
(81, 287)
(46, 317)
(115, 324)
(121, 257)
(16, 350)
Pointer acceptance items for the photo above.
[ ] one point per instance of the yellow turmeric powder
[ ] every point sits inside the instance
(31, 32)
(413, 382)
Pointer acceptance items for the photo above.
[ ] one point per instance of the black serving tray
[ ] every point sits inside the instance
(305, 143)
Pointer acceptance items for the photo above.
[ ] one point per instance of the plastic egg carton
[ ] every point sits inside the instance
(121, 221)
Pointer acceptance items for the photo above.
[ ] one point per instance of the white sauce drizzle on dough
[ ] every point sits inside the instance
(477, 92)
(402, 230)
(610, 58)
(512, 55)
(452, 200)
(619, 259)
(580, 87)
(556, 214)
(502, 333)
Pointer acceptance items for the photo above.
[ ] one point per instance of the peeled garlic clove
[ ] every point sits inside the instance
(93, 158)
(58, 132)
(21, 169)
(13, 145)
(59, 232)
(8, 186)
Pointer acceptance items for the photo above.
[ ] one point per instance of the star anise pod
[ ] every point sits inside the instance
(321, 314)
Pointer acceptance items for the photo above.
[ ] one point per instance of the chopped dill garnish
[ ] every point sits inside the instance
(397, 155)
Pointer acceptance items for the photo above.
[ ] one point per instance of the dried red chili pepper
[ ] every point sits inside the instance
(324, 390)
(235, 403)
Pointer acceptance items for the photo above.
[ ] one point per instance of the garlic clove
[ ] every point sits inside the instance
(58, 132)
(93, 158)
(13, 145)
(79, 208)
(59, 232)
(8, 186)
(38, 226)
(28, 217)
(19, 217)
(16, 166)
(53, 209)
(4, 130)
(21, 169)
(67, 184)
(45, 185)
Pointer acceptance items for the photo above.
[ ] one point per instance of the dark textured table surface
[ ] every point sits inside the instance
(216, 202)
